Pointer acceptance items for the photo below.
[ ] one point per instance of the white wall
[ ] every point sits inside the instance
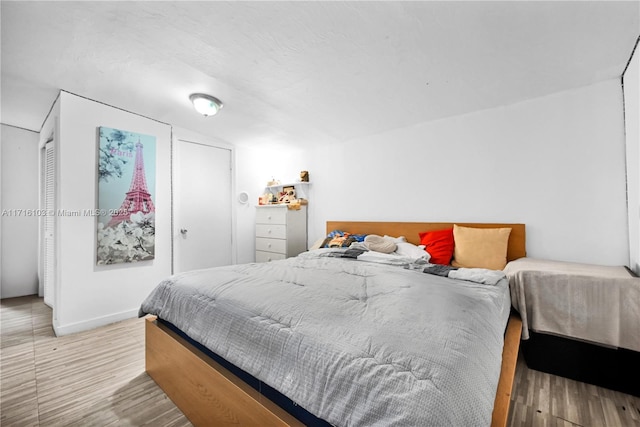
(554, 163)
(19, 273)
(88, 295)
(631, 80)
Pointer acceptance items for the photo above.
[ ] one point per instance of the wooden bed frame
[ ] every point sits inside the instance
(208, 394)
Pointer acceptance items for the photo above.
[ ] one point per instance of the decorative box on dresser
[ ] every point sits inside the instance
(280, 232)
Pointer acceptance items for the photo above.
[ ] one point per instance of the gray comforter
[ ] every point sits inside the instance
(355, 343)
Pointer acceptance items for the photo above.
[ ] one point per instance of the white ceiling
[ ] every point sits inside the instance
(306, 72)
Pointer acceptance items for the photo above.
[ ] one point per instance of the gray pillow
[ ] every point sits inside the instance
(379, 244)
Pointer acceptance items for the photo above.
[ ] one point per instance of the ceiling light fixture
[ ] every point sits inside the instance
(206, 105)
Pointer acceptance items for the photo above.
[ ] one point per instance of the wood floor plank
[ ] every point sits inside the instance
(90, 378)
(632, 405)
(97, 378)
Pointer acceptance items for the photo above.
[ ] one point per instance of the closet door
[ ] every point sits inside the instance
(203, 223)
(48, 221)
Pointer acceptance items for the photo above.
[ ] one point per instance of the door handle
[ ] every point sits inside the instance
(183, 231)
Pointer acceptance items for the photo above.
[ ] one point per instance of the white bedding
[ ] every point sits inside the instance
(355, 343)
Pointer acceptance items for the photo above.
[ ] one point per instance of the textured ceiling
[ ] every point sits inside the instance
(305, 72)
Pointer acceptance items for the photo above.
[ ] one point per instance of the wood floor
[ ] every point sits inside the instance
(97, 378)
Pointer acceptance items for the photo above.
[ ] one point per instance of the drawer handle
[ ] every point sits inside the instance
(269, 217)
(269, 259)
(269, 245)
(269, 231)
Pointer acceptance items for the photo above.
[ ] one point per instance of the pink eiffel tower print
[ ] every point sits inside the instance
(137, 198)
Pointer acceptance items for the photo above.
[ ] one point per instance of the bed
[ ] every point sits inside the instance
(587, 316)
(352, 343)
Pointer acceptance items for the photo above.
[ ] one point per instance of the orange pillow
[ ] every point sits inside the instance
(480, 247)
(439, 244)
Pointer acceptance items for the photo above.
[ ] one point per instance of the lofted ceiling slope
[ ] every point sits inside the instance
(305, 72)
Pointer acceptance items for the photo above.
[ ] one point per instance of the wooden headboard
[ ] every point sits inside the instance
(516, 246)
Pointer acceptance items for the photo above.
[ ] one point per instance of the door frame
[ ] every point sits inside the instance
(175, 216)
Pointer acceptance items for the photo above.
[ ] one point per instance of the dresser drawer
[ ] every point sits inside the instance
(268, 256)
(271, 231)
(271, 245)
(271, 215)
(280, 232)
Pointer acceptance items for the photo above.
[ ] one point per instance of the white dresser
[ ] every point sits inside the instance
(280, 232)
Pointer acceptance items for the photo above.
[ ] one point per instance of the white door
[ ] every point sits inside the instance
(48, 165)
(202, 206)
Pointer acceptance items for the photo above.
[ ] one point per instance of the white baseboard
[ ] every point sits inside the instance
(96, 322)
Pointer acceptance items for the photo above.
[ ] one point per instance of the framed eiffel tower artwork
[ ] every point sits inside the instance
(126, 191)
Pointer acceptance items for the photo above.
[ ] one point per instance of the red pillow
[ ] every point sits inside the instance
(439, 244)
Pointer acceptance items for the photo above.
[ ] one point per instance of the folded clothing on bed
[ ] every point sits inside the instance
(439, 269)
(477, 275)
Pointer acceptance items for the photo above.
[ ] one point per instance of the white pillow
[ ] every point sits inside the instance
(412, 251)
